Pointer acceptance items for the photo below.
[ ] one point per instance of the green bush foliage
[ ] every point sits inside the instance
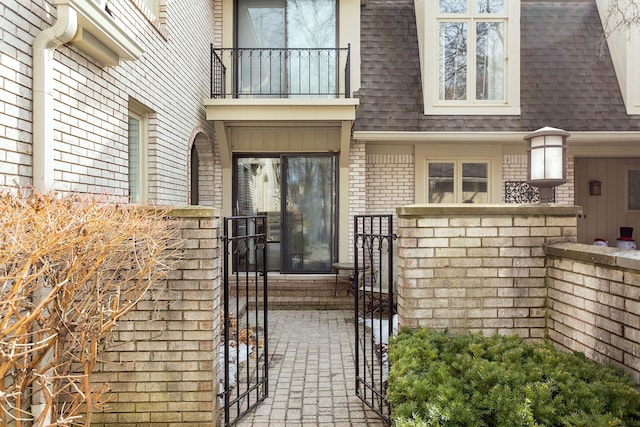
(470, 380)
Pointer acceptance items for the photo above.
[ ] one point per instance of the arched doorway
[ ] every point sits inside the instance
(202, 171)
(195, 176)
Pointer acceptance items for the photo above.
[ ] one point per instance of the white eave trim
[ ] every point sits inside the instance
(99, 35)
(497, 137)
(258, 110)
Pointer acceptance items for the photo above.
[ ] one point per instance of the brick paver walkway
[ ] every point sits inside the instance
(312, 373)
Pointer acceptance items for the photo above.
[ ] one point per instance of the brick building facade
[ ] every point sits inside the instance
(92, 102)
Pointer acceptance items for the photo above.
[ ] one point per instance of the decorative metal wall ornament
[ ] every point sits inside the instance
(521, 192)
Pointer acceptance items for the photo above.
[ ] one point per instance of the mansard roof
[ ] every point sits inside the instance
(567, 76)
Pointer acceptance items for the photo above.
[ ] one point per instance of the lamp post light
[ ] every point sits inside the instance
(547, 160)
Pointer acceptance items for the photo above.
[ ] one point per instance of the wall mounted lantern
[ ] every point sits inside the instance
(595, 188)
(547, 160)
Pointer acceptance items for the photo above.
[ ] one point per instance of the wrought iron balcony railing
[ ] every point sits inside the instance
(280, 73)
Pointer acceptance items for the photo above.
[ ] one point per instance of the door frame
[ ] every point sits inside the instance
(335, 231)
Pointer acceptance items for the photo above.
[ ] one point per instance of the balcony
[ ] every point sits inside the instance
(303, 89)
(257, 73)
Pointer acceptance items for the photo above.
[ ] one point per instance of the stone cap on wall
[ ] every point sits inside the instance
(525, 209)
(614, 257)
(193, 211)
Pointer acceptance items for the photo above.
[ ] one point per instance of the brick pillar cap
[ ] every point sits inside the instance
(479, 210)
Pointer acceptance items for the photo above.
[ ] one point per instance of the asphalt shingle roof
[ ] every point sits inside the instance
(567, 77)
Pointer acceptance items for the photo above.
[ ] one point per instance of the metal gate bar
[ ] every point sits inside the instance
(374, 308)
(245, 344)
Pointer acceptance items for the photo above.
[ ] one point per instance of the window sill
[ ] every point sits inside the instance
(472, 110)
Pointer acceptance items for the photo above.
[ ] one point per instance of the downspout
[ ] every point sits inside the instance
(43, 166)
(44, 45)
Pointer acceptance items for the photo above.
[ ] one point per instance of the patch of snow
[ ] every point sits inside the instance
(380, 328)
(237, 356)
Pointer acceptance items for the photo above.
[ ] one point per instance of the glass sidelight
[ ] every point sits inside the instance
(297, 193)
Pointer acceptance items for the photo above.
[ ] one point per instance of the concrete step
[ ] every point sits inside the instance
(310, 303)
(301, 295)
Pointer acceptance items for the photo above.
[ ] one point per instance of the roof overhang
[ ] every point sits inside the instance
(308, 112)
(580, 143)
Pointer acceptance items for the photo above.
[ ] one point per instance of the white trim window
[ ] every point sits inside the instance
(138, 157)
(472, 57)
(458, 181)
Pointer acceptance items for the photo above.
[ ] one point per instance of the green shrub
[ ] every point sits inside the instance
(470, 380)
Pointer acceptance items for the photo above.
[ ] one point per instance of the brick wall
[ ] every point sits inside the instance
(91, 101)
(357, 186)
(160, 364)
(19, 24)
(478, 267)
(594, 303)
(514, 168)
(390, 182)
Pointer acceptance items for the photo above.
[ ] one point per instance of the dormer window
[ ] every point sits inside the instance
(471, 56)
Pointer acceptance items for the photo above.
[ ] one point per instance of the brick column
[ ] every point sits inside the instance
(478, 268)
(160, 364)
(357, 186)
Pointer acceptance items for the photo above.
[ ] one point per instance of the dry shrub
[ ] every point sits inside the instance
(70, 268)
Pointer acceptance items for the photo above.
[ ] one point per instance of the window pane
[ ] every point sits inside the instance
(195, 176)
(490, 6)
(312, 24)
(453, 6)
(453, 61)
(134, 160)
(634, 190)
(309, 228)
(441, 183)
(474, 183)
(490, 61)
(257, 192)
(260, 25)
(257, 185)
(279, 25)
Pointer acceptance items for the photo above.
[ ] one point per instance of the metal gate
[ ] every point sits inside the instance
(375, 308)
(244, 357)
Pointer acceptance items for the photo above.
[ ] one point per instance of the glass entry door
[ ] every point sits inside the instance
(297, 193)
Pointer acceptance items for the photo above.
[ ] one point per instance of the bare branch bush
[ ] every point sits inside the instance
(621, 14)
(70, 268)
